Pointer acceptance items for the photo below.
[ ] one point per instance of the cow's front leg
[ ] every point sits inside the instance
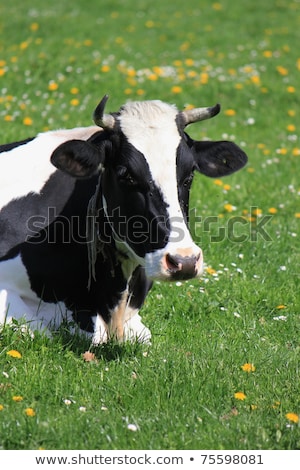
(117, 320)
(134, 329)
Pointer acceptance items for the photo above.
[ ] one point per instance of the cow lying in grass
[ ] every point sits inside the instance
(90, 216)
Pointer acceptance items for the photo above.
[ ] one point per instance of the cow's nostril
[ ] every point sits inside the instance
(173, 264)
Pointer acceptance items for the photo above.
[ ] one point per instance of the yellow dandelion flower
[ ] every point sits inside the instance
(149, 24)
(240, 396)
(53, 86)
(192, 74)
(248, 69)
(34, 26)
(105, 68)
(282, 70)
(1, 407)
(74, 102)
(292, 417)
(131, 81)
(291, 128)
(282, 151)
(291, 112)
(24, 45)
(291, 89)
(176, 89)
(140, 92)
(238, 86)
(158, 70)
(87, 42)
(74, 90)
(255, 79)
(253, 407)
(2, 63)
(280, 306)
(185, 46)
(248, 367)
(30, 412)
(204, 78)
(218, 182)
(230, 112)
(152, 77)
(275, 405)
(189, 62)
(217, 6)
(131, 73)
(27, 121)
(210, 270)
(250, 170)
(297, 215)
(8, 118)
(268, 54)
(229, 207)
(296, 152)
(256, 212)
(14, 353)
(226, 187)
(2, 72)
(17, 398)
(272, 210)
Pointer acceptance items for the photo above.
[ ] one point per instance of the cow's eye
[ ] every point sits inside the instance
(125, 176)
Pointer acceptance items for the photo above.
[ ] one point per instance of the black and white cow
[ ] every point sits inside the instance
(84, 233)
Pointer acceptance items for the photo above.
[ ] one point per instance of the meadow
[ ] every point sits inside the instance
(223, 368)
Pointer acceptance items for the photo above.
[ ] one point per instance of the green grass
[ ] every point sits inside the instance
(180, 392)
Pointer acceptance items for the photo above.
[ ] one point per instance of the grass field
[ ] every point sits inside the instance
(223, 369)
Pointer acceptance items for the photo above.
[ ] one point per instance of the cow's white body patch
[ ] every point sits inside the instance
(18, 301)
(26, 168)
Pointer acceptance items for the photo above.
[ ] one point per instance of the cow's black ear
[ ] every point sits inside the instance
(78, 158)
(217, 159)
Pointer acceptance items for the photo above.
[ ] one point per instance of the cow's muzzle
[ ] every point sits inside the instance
(180, 266)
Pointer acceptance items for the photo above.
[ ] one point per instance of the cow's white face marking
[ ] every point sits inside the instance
(26, 169)
(151, 128)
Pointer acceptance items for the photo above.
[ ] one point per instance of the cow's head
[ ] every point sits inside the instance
(146, 162)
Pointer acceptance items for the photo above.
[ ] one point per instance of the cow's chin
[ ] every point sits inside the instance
(162, 267)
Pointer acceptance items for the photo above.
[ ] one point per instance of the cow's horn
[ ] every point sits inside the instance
(199, 114)
(107, 121)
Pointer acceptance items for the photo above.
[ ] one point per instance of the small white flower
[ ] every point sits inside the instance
(5, 374)
(282, 268)
(280, 318)
(236, 314)
(67, 402)
(178, 284)
(82, 408)
(132, 427)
